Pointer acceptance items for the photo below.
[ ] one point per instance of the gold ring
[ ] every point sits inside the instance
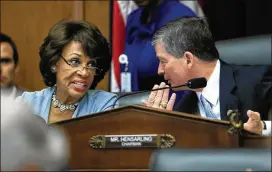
(163, 105)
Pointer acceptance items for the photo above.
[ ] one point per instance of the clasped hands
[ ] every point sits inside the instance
(159, 99)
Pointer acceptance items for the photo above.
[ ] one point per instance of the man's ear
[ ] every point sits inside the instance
(189, 59)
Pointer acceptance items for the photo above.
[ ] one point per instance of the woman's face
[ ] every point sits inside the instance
(74, 81)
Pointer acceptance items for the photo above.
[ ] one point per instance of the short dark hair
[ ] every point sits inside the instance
(62, 33)
(7, 39)
(187, 34)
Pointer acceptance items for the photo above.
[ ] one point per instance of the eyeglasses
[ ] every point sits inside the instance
(76, 64)
(6, 61)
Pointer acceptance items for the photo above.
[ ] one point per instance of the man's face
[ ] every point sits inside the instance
(7, 65)
(175, 70)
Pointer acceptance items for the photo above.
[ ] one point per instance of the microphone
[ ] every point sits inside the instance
(194, 83)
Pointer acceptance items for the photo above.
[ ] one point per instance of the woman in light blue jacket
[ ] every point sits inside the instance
(74, 57)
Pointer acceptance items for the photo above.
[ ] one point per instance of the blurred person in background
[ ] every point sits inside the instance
(141, 26)
(9, 66)
(27, 142)
(74, 58)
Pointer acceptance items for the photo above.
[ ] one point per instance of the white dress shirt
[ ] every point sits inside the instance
(211, 93)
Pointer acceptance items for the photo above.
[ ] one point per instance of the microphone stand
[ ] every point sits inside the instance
(192, 83)
(139, 92)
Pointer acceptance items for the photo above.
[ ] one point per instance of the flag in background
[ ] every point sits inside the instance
(121, 9)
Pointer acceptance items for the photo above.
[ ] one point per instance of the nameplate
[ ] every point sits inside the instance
(132, 141)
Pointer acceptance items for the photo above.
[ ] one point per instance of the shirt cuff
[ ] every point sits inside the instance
(267, 131)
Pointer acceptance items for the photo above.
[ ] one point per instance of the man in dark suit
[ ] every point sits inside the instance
(9, 65)
(186, 50)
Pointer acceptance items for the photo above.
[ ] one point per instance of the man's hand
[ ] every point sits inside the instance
(254, 123)
(159, 99)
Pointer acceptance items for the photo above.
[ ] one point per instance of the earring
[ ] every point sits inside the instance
(53, 69)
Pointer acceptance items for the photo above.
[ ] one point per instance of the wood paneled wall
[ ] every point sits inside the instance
(98, 12)
(28, 22)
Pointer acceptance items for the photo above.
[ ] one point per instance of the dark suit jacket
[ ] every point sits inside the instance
(241, 87)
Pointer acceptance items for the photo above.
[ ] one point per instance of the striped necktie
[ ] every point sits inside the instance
(207, 106)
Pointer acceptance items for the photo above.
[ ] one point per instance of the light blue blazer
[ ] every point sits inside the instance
(93, 101)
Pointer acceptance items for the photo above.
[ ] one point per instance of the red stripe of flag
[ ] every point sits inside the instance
(118, 39)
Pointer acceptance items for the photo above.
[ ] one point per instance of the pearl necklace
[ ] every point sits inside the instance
(63, 107)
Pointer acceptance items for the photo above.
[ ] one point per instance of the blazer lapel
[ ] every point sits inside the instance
(188, 103)
(227, 94)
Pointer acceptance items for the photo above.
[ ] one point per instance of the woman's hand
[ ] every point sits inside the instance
(159, 99)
